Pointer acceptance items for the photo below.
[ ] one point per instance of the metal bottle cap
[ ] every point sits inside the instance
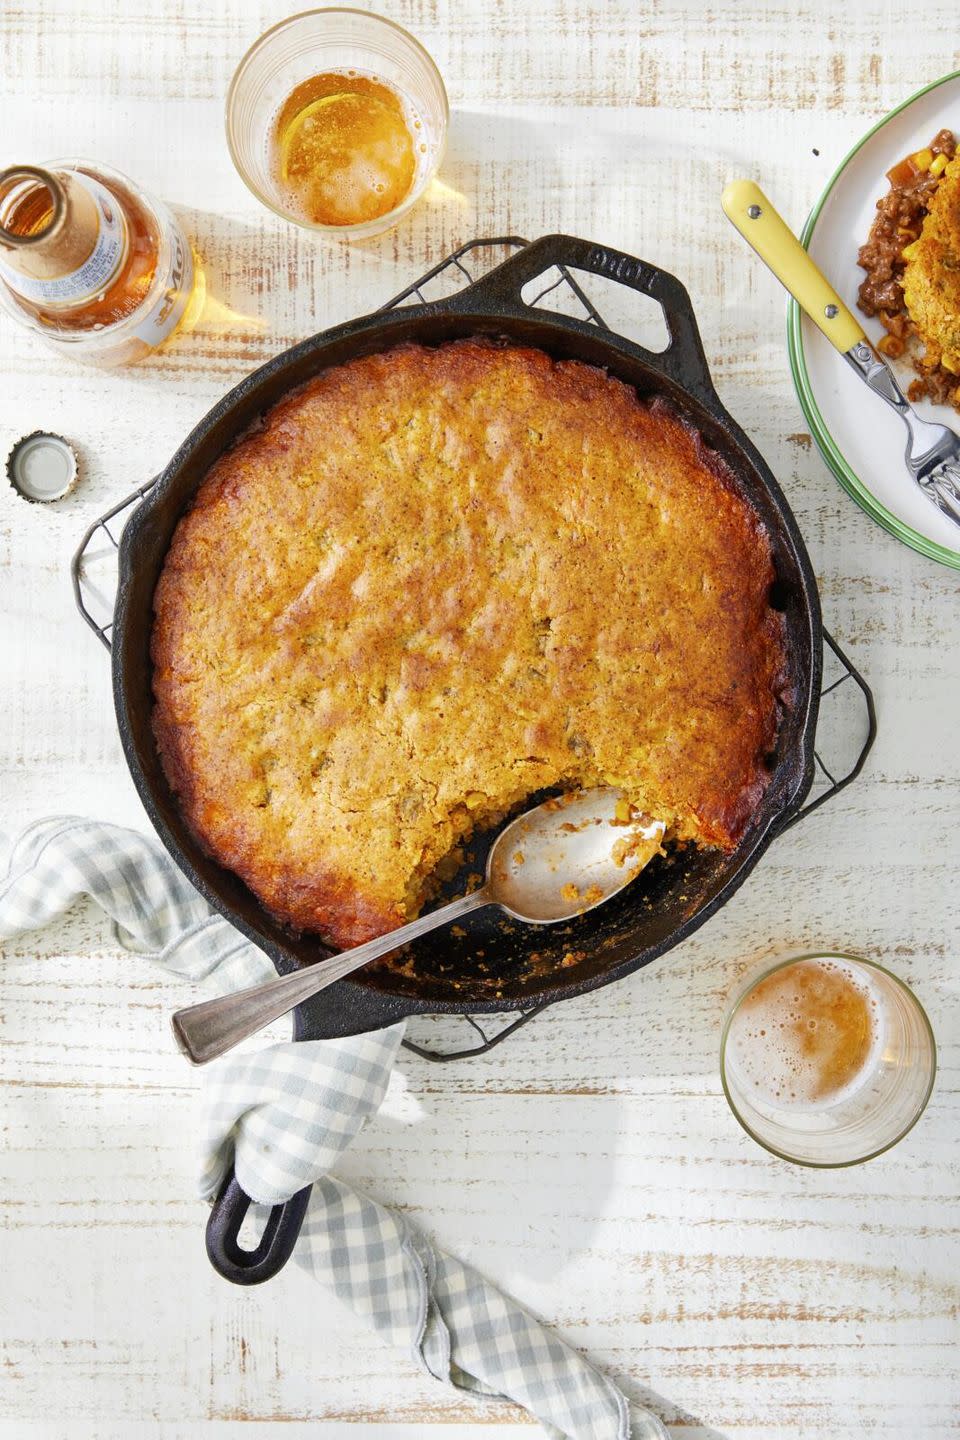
(42, 467)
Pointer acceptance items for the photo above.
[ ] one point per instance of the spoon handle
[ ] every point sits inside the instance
(213, 1027)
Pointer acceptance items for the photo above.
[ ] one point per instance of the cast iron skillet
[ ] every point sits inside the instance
(492, 966)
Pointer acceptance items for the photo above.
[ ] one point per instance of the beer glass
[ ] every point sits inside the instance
(827, 1059)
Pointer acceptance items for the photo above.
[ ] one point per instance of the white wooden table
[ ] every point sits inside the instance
(590, 1164)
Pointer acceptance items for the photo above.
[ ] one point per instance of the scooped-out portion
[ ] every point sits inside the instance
(435, 582)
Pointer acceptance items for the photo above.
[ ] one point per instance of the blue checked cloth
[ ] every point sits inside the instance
(285, 1114)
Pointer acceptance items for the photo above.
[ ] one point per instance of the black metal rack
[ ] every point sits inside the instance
(93, 572)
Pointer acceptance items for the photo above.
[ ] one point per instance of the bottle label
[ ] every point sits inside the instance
(165, 315)
(98, 268)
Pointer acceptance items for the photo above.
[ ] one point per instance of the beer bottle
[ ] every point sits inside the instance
(87, 260)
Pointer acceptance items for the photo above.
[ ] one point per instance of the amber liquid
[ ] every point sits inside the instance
(344, 150)
(806, 1034)
(128, 288)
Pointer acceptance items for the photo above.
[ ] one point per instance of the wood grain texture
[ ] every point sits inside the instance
(590, 1165)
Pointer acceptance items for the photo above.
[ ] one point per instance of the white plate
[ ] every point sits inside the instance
(861, 439)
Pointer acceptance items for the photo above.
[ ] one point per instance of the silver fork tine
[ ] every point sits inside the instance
(950, 474)
(945, 490)
(933, 450)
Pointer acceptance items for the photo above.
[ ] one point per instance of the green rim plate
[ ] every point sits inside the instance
(828, 446)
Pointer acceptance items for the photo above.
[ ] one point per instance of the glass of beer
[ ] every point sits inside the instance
(337, 120)
(827, 1060)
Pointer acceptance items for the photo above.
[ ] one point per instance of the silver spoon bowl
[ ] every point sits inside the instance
(561, 859)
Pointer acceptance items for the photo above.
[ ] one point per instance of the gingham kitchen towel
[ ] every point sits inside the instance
(285, 1113)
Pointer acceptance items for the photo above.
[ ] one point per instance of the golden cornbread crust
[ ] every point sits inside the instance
(931, 279)
(434, 582)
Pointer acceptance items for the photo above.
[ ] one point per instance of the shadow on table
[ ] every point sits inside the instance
(509, 1179)
(265, 285)
(688, 1426)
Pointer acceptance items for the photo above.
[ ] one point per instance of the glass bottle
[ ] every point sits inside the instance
(90, 262)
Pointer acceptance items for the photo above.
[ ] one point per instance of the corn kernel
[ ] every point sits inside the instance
(622, 813)
(938, 165)
(923, 159)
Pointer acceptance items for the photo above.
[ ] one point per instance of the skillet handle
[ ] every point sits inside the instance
(252, 1267)
(683, 361)
(93, 569)
(838, 783)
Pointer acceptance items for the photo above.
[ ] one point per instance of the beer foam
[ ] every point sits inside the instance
(807, 1036)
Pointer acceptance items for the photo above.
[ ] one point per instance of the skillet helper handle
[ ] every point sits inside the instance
(838, 782)
(92, 582)
(252, 1267)
(500, 291)
(746, 206)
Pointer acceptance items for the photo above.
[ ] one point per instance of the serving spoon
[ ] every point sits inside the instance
(558, 860)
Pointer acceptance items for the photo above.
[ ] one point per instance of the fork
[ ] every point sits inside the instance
(933, 451)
